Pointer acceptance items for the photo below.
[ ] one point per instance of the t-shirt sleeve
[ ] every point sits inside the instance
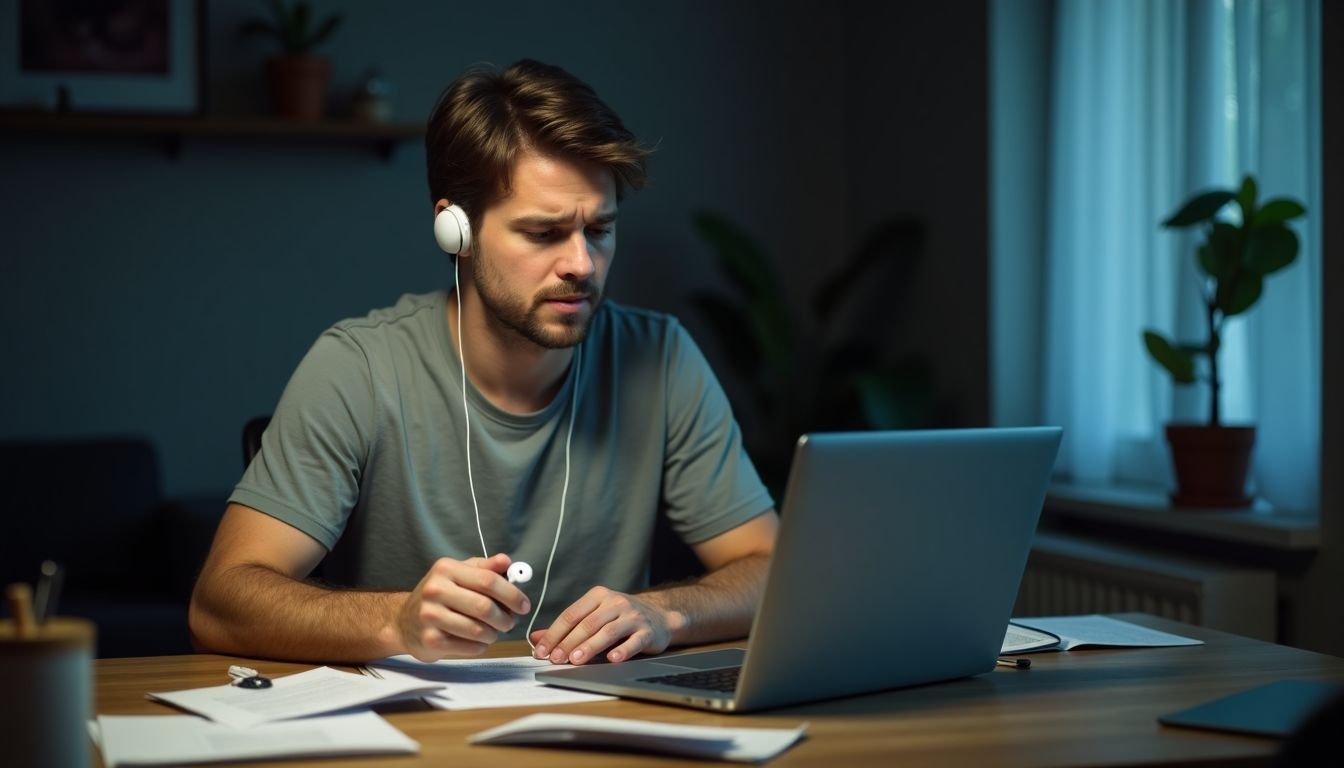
(307, 472)
(709, 483)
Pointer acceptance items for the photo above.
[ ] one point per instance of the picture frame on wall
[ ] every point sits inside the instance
(112, 56)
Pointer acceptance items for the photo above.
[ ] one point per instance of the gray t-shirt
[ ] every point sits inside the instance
(366, 453)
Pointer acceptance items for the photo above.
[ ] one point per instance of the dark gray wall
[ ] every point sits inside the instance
(1322, 621)
(918, 115)
(173, 298)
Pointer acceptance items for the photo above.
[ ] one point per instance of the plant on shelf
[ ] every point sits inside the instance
(1212, 459)
(825, 369)
(297, 76)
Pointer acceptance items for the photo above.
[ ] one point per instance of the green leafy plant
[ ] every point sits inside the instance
(1234, 258)
(292, 25)
(826, 369)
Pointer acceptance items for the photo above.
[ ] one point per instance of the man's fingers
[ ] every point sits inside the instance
(498, 562)
(619, 626)
(632, 646)
(584, 630)
(435, 617)
(459, 624)
(433, 632)
(470, 603)
(617, 621)
(569, 618)
(485, 578)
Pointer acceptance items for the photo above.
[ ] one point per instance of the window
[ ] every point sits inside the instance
(1136, 106)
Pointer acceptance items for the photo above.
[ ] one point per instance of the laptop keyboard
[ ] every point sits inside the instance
(723, 679)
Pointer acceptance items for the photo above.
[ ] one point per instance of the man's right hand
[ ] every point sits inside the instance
(252, 599)
(459, 608)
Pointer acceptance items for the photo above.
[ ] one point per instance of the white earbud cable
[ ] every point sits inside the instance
(569, 435)
(564, 492)
(466, 412)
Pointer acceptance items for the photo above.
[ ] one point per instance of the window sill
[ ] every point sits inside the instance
(1139, 508)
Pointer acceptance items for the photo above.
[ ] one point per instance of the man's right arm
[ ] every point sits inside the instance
(251, 600)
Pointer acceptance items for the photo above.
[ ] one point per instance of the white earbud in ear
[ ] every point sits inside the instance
(519, 573)
(452, 230)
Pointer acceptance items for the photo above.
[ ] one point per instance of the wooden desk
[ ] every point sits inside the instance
(1085, 707)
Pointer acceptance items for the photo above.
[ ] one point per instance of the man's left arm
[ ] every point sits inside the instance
(716, 606)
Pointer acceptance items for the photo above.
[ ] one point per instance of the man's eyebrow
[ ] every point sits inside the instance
(542, 220)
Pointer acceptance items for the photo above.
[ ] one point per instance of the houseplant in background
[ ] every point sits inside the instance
(1212, 459)
(826, 368)
(297, 77)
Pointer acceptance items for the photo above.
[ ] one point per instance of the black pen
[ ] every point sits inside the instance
(48, 591)
(1014, 663)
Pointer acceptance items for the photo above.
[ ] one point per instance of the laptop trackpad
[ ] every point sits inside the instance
(727, 657)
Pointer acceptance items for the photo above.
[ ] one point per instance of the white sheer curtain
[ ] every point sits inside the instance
(1152, 100)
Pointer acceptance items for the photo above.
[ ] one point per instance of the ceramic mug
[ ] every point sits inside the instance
(48, 697)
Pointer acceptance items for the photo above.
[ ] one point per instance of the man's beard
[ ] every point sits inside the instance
(523, 317)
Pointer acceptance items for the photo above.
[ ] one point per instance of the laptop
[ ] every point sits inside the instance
(897, 564)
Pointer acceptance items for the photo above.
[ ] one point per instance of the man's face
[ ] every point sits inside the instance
(543, 251)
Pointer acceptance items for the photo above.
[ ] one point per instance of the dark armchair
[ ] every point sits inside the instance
(130, 555)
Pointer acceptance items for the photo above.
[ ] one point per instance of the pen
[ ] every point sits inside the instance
(1014, 663)
(20, 597)
(48, 591)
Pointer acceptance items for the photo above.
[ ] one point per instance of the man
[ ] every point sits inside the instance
(422, 449)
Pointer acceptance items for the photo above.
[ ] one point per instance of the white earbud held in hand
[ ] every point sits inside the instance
(519, 573)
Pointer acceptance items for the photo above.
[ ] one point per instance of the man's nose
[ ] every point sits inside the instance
(578, 259)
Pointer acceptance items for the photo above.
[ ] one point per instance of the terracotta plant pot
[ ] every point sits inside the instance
(1211, 465)
(298, 86)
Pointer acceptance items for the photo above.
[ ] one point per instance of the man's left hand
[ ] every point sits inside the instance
(604, 618)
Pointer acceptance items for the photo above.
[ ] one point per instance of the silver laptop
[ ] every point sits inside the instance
(898, 562)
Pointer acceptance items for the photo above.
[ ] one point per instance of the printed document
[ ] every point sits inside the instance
(182, 739)
(307, 693)
(479, 683)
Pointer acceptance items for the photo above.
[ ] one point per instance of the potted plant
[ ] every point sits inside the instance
(1211, 459)
(297, 77)
(824, 367)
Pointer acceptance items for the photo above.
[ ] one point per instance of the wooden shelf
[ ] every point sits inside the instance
(172, 131)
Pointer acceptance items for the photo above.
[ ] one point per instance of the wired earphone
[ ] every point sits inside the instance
(452, 231)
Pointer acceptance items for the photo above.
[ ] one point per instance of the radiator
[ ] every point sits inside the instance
(1069, 575)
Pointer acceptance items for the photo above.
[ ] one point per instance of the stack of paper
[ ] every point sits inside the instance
(705, 742)
(307, 693)
(179, 739)
(477, 683)
(248, 723)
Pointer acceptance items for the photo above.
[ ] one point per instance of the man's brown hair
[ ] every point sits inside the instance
(485, 119)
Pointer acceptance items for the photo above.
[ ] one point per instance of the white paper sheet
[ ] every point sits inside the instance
(182, 739)
(1017, 639)
(480, 683)
(739, 744)
(1099, 631)
(307, 693)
